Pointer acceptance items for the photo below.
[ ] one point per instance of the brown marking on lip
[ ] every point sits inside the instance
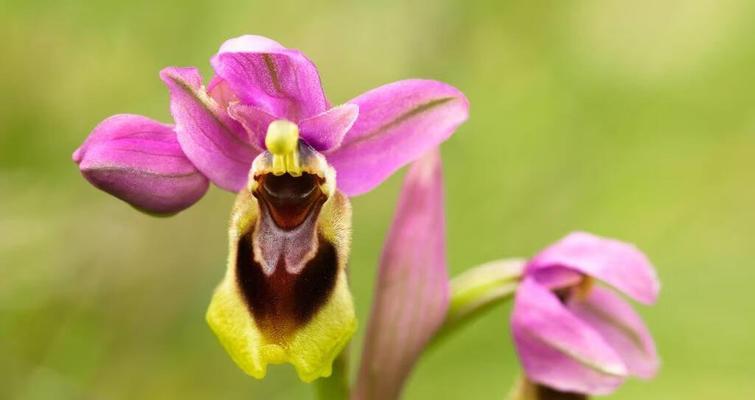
(283, 302)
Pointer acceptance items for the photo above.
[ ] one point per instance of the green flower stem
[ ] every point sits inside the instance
(478, 289)
(336, 386)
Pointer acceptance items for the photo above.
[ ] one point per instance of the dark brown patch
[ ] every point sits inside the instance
(315, 282)
(546, 393)
(288, 199)
(282, 301)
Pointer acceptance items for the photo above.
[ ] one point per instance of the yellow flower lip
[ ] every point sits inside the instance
(282, 141)
(265, 318)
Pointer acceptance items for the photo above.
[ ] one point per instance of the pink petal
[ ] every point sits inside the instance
(620, 327)
(412, 289)
(213, 141)
(397, 123)
(326, 130)
(262, 73)
(140, 161)
(254, 120)
(557, 349)
(220, 92)
(250, 43)
(619, 264)
(557, 278)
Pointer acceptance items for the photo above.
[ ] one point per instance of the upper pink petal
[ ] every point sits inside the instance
(140, 161)
(326, 130)
(557, 278)
(620, 327)
(250, 43)
(619, 264)
(262, 73)
(397, 123)
(412, 290)
(559, 350)
(213, 141)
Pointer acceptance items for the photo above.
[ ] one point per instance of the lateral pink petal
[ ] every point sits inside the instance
(139, 161)
(620, 327)
(213, 141)
(397, 123)
(262, 73)
(559, 350)
(326, 130)
(412, 290)
(616, 263)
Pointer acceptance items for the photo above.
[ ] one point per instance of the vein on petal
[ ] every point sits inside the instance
(407, 115)
(272, 70)
(611, 370)
(625, 329)
(142, 172)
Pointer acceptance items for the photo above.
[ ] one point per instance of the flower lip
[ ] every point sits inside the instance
(290, 200)
(283, 302)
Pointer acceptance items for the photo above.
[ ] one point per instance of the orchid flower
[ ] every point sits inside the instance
(574, 337)
(264, 129)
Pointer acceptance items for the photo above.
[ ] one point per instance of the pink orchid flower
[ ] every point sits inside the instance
(573, 336)
(264, 129)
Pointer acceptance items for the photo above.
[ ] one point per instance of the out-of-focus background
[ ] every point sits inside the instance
(629, 119)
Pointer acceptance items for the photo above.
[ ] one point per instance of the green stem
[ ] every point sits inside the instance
(336, 386)
(478, 289)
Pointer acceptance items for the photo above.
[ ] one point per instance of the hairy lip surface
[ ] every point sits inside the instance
(282, 302)
(288, 199)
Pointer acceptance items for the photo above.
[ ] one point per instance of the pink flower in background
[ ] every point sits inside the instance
(574, 336)
(220, 130)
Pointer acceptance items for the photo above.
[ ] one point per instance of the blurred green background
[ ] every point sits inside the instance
(629, 119)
